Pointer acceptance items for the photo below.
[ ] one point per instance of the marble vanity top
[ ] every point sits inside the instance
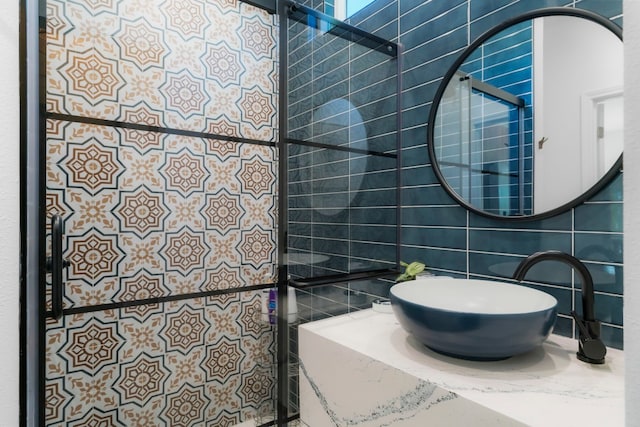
(547, 386)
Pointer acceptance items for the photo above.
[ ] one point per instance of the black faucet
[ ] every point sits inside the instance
(590, 347)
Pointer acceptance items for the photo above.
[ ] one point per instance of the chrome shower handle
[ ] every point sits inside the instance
(55, 264)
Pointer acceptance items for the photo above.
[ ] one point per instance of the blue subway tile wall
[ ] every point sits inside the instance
(448, 238)
(592, 231)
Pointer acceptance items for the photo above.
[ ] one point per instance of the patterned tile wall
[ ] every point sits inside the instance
(162, 211)
(205, 361)
(190, 215)
(452, 241)
(207, 66)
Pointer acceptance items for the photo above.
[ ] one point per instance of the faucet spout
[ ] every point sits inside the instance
(591, 349)
(588, 311)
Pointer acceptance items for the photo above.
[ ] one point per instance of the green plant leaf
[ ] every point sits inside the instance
(415, 268)
(410, 271)
(403, 278)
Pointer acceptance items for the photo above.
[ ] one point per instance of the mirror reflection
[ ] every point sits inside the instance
(532, 118)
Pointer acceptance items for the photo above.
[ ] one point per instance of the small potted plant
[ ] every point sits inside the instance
(410, 271)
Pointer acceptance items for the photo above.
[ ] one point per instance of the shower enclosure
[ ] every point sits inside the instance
(187, 157)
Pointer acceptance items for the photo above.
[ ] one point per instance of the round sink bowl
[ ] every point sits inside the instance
(474, 319)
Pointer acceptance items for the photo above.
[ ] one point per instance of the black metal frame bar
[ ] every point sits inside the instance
(340, 29)
(268, 5)
(158, 129)
(335, 279)
(482, 171)
(159, 300)
(340, 148)
(399, 67)
(282, 340)
(496, 92)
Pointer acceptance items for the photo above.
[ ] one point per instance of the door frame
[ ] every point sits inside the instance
(32, 224)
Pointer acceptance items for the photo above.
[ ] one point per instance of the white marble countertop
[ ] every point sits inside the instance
(547, 386)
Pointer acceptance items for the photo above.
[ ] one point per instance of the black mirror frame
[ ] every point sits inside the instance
(551, 11)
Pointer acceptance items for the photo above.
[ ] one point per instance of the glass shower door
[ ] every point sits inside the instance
(342, 140)
(159, 148)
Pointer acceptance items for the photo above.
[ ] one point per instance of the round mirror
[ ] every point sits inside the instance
(528, 121)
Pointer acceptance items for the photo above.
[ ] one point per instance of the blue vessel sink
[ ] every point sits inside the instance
(474, 319)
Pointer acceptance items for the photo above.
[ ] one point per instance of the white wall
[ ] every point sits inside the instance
(9, 212)
(580, 58)
(632, 210)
